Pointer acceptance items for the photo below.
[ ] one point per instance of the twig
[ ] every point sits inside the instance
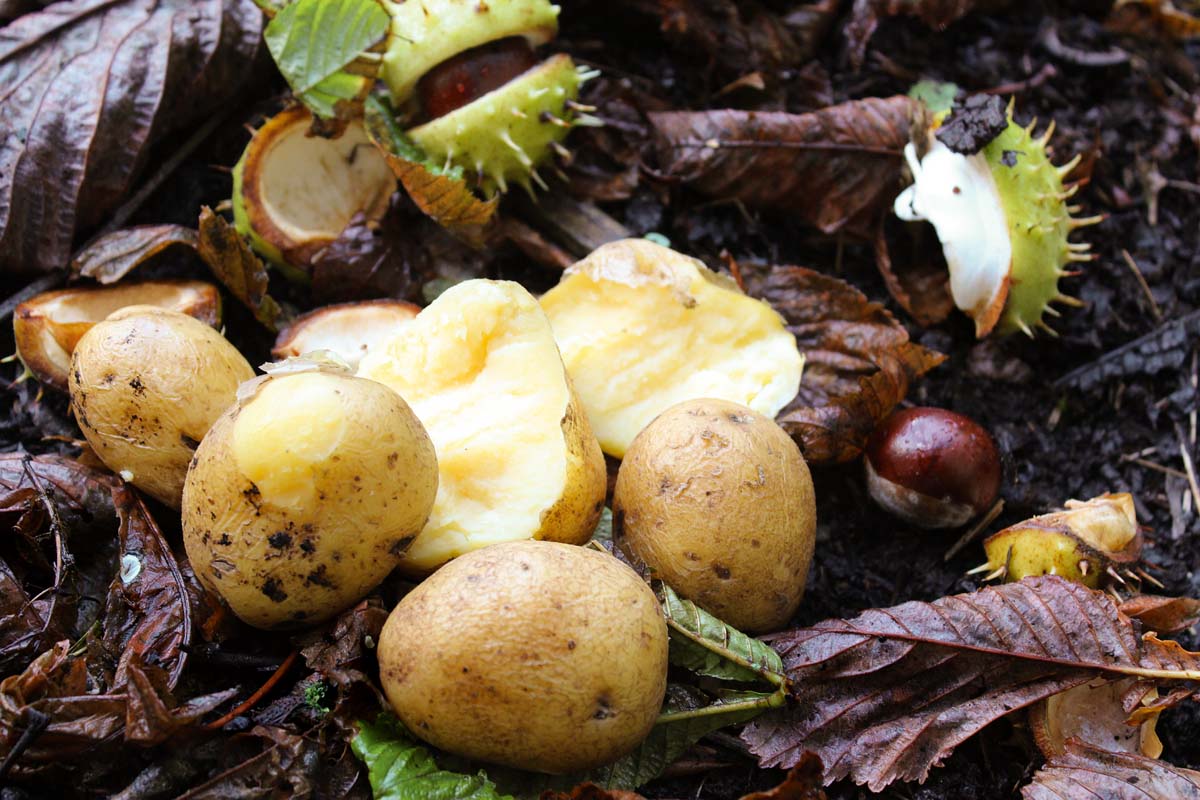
(1037, 79)
(254, 698)
(1186, 454)
(970, 535)
(1049, 39)
(38, 722)
(1141, 279)
(1141, 462)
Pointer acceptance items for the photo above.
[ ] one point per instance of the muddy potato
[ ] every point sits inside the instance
(718, 501)
(146, 384)
(537, 655)
(304, 496)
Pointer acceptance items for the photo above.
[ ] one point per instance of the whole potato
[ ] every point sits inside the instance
(537, 655)
(146, 384)
(718, 501)
(304, 496)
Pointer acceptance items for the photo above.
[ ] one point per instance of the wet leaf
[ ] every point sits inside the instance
(1163, 614)
(341, 655)
(91, 85)
(707, 646)
(889, 694)
(113, 256)
(803, 782)
(237, 268)
(442, 194)
(859, 360)
(1084, 772)
(864, 19)
(590, 791)
(323, 48)
(401, 769)
(837, 168)
(282, 767)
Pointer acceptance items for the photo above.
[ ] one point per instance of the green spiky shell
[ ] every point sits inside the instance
(502, 136)
(424, 33)
(1039, 222)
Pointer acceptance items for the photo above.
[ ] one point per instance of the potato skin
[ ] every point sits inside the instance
(146, 384)
(573, 519)
(303, 497)
(536, 655)
(718, 501)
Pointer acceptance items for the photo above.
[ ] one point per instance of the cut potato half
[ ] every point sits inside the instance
(516, 456)
(48, 326)
(642, 327)
(348, 330)
(294, 193)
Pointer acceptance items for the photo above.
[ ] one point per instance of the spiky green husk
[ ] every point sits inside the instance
(1039, 222)
(424, 33)
(502, 137)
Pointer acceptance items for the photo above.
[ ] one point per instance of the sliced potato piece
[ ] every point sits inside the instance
(48, 326)
(294, 193)
(516, 456)
(346, 329)
(642, 328)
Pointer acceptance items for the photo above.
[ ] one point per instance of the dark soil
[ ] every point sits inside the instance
(1070, 416)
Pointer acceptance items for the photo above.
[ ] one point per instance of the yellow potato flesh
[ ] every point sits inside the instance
(481, 371)
(642, 328)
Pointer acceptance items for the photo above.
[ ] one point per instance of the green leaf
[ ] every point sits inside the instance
(936, 95)
(604, 529)
(324, 50)
(401, 769)
(707, 646)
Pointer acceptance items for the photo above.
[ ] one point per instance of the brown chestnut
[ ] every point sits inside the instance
(470, 75)
(932, 467)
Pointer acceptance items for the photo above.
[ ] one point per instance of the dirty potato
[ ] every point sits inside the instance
(717, 500)
(536, 655)
(304, 496)
(146, 384)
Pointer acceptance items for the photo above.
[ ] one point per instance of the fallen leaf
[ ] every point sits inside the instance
(1084, 772)
(1153, 19)
(859, 361)
(340, 652)
(803, 782)
(1163, 614)
(111, 257)
(590, 791)
(236, 267)
(442, 194)
(919, 282)
(888, 695)
(865, 16)
(92, 84)
(837, 168)
(282, 767)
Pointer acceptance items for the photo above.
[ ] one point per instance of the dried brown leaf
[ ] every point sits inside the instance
(920, 283)
(236, 267)
(113, 256)
(859, 361)
(803, 782)
(1084, 772)
(837, 168)
(864, 19)
(889, 694)
(1163, 614)
(1153, 19)
(91, 85)
(590, 791)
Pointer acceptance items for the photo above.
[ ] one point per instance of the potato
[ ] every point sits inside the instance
(146, 384)
(536, 655)
(718, 501)
(642, 327)
(518, 459)
(304, 495)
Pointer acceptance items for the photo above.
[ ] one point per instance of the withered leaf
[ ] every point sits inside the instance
(859, 361)
(740, 36)
(1084, 772)
(1163, 614)
(236, 267)
(1153, 19)
(90, 85)
(282, 767)
(889, 694)
(803, 782)
(338, 652)
(590, 791)
(114, 255)
(837, 168)
(442, 194)
(864, 19)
